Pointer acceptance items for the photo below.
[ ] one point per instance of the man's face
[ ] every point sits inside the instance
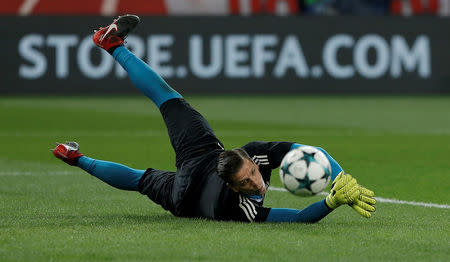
(248, 179)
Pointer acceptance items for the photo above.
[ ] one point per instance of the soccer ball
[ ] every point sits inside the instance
(305, 171)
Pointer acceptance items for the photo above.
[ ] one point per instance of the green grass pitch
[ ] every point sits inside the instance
(397, 146)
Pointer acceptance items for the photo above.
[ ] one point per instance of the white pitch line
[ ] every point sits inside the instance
(31, 173)
(379, 199)
(384, 200)
(422, 204)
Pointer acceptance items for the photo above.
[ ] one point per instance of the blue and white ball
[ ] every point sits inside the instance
(305, 171)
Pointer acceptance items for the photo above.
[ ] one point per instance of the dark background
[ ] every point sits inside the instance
(312, 33)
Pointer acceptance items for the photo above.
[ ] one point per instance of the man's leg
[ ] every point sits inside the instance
(189, 132)
(114, 174)
(186, 127)
(144, 78)
(111, 39)
(156, 184)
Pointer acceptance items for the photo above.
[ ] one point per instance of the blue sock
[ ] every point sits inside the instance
(116, 175)
(144, 78)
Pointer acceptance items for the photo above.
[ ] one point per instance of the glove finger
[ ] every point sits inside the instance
(354, 195)
(361, 211)
(364, 206)
(366, 191)
(367, 199)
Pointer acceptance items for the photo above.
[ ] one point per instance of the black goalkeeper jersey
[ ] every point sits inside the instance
(218, 201)
(202, 193)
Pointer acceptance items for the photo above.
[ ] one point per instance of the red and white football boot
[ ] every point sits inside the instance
(68, 152)
(115, 34)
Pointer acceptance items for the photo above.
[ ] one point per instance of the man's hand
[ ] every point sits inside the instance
(364, 204)
(344, 190)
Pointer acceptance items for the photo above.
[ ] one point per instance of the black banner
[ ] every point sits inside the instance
(55, 55)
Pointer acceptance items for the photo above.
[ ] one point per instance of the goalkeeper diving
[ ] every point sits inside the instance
(209, 181)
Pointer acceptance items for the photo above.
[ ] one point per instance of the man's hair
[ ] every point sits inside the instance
(230, 162)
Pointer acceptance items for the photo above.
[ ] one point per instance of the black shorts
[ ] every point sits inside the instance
(196, 149)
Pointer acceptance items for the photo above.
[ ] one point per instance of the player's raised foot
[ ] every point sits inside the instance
(114, 35)
(68, 152)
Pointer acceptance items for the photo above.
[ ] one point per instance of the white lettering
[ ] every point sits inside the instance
(33, 56)
(416, 57)
(157, 56)
(360, 56)
(85, 63)
(260, 54)
(330, 56)
(196, 57)
(62, 44)
(234, 56)
(291, 56)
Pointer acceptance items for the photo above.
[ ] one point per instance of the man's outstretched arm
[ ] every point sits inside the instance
(311, 214)
(344, 190)
(365, 204)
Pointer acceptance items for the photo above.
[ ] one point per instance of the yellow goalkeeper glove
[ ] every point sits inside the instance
(364, 204)
(344, 190)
